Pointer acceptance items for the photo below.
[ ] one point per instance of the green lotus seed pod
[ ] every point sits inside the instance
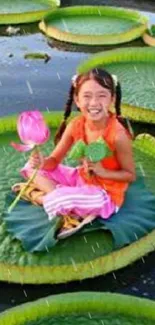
(77, 151)
(97, 151)
(108, 150)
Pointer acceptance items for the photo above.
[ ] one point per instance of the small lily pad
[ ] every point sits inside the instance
(37, 56)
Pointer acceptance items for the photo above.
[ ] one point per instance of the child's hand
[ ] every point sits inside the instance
(36, 160)
(96, 168)
(84, 162)
(49, 164)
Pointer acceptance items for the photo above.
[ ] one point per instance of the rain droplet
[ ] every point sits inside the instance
(74, 264)
(136, 236)
(65, 25)
(142, 169)
(114, 275)
(90, 316)
(85, 239)
(153, 84)
(92, 266)
(4, 149)
(47, 109)
(97, 244)
(29, 87)
(47, 303)
(58, 76)
(99, 12)
(47, 249)
(25, 293)
(93, 249)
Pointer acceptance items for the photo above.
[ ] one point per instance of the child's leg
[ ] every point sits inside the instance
(82, 201)
(42, 183)
(62, 175)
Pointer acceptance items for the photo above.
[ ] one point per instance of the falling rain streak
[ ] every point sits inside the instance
(25, 293)
(29, 87)
(85, 239)
(153, 84)
(99, 12)
(47, 303)
(47, 109)
(65, 25)
(142, 169)
(58, 76)
(4, 149)
(74, 264)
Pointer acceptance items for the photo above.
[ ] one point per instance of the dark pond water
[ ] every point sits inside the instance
(28, 84)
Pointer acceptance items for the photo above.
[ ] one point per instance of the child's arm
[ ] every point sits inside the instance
(60, 150)
(125, 158)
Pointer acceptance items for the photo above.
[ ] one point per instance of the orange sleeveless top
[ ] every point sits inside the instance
(116, 189)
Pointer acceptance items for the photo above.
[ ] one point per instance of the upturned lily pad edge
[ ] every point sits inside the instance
(133, 54)
(80, 303)
(25, 17)
(107, 39)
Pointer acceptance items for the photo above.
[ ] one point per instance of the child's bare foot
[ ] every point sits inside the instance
(37, 197)
(30, 193)
(16, 187)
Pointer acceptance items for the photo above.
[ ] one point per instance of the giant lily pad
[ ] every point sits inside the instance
(77, 257)
(83, 308)
(25, 11)
(94, 25)
(135, 69)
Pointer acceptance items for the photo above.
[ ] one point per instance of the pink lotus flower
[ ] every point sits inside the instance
(32, 131)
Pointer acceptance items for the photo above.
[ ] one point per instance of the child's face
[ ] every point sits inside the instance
(94, 100)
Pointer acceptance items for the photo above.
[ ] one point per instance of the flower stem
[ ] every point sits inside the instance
(13, 204)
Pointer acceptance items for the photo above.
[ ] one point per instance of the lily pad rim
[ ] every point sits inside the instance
(25, 17)
(123, 55)
(112, 11)
(106, 39)
(79, 303)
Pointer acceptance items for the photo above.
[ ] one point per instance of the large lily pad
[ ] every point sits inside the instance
(83, 308)
(25, 11)
(135, 69)
(94, 25)
(77, 257)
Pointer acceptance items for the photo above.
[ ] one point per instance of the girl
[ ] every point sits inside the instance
(66, 190)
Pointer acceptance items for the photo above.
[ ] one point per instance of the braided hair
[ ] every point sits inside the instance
(68, 109)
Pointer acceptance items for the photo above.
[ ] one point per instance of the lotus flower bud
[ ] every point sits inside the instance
(32, 130)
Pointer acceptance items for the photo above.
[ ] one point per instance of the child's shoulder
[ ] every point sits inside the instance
(122, 131)
(76, 118)
(76, 126)
(76, 121)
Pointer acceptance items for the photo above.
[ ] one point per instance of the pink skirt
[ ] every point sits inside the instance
(72, 195)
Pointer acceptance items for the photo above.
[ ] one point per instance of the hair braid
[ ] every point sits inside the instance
(68, 110)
